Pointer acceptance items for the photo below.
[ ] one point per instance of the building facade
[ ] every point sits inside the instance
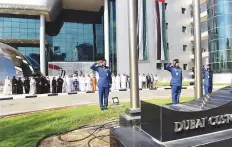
(65, 36)
(220, 33)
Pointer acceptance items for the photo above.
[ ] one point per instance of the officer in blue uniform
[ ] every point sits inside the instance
(176, 81)
(208, 79)
(104, 82)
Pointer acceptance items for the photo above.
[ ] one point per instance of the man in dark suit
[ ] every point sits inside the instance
(104, 82)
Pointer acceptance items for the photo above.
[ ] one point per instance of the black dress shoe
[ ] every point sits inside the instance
(102, 109)
(105, 108)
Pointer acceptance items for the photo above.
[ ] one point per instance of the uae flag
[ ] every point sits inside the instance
(162, 1)
(142, 30)
(161, 33)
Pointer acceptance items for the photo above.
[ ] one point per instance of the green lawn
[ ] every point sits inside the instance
(27, 130)
(168, 83)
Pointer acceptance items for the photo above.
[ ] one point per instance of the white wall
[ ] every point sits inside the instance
(222, 78)
(122, 36)
(176, 38)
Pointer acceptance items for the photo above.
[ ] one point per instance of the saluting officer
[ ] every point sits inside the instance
(208, 79)
(104, 82)
(176, 81)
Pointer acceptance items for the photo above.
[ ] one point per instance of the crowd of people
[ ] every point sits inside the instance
(27, 85)
(71, 83)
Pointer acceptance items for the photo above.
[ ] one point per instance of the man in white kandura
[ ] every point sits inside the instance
(32, 86)
(7, 86)
(123, 81)
(71, 83)
(140, 81)
(88, 83)
(118, 82)
(113, 87)
(82, 83)
(75, 77)
(144, 80)
(68, 84)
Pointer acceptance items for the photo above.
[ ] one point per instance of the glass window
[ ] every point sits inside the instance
(184, 29)
(7, 30)
(185, 66)
(15, 25)
(7, 23)
(23, 20)
(183, 10)
(184, 48)
(15, 19)
(31, 25)
(159, 66)
(7, 35)
(204, 26)
(17, 28)
(15, 35)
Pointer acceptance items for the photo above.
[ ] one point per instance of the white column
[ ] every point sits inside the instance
(42, 45)
(106, 31)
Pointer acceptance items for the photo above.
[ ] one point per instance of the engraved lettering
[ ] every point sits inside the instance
(223, 119)
(203, 122)
(192, 124)
(217, 120)
(178, 126)
(212, 121)
(227, 118)
(186, 124)
(198, 124)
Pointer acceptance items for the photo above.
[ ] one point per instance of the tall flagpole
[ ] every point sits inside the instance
(106, 32)
(134, 88)
(198, 51)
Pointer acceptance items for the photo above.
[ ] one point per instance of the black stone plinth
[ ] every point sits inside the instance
(204, 122)
(135, 137)
(159, 121)
(133, 112)
(130, 118)
(126, 120)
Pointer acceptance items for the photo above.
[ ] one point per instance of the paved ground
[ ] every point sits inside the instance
(15, 106)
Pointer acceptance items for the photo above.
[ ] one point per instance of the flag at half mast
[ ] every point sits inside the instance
(162, 1)
(161, 34)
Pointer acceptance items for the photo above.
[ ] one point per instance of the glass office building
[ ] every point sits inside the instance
(63, 35)
(220, 35)
(75, 36)
(70, 38)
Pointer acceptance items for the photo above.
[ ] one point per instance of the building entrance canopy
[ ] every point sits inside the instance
(50, 8)
(19, 41)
